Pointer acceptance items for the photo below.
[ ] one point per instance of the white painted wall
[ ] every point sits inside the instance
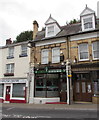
(21, 67)
(0, 61)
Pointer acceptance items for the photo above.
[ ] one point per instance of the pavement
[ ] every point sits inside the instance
(74, 106)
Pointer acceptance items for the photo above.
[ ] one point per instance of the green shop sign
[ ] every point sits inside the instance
(50, 71)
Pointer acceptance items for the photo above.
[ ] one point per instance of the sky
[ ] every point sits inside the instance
(17, 16)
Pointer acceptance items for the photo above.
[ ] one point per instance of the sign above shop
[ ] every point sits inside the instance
(12, 80)
(51, 71)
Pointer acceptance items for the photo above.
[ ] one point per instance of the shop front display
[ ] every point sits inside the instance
(13, 90)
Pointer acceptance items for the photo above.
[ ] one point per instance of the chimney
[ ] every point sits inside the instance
(35, 28)
(8, 41)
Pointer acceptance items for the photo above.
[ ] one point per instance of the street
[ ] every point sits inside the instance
(30, 112)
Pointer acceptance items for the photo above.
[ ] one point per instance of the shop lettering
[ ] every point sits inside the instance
(13, 81)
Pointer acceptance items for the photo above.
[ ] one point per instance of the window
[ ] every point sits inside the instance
(83, 51)
(95, 46)
(56, 55)
(10, 68)
(44, 56)
(23, 51)
(51, 30)
(88, 23)
(10, 53)
(1, 90)
(18, 90)
(46, 85)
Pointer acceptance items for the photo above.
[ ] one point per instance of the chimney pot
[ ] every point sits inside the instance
(8, 41)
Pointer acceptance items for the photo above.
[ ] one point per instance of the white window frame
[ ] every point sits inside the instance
(87, 22)
(23, 49)
(50, 30)
(44, 56)
(10, 68)
(87, 51)
(55, 55)
(95, 50)
(93, 22)
(11, 52)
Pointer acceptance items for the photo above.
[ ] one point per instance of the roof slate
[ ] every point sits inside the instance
(65, 30)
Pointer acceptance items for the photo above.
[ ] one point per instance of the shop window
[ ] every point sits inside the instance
(83, 51)
(56, 55)
(44, 56)
(1, 90)
(18, 90)
(47, 85)
(95, 49)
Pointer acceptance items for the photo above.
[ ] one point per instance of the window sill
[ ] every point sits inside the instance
(23, 55)
(8, 74)
(10, 57)
(83, 60)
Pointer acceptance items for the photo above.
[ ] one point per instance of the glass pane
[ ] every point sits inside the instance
(83, 87)
(18, 90)
(89, 87)
(84, 55)
(77, 87)
(96, 54)
(1, 90)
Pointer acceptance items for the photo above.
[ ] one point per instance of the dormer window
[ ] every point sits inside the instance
(50, 30)
(88, 23)
(87, 19)
(52, 27)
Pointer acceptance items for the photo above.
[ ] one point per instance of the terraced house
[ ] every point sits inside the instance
(14, 64)
(65, 60)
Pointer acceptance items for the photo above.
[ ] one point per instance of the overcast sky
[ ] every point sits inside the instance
(17, 16)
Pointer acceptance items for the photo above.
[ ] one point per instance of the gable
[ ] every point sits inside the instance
(50, 20)
(87, 11)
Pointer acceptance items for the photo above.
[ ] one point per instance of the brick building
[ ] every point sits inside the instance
(53, 47)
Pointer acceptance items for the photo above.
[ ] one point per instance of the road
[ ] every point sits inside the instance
(21, 112)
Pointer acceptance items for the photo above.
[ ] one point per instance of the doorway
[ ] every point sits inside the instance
(83, 88)
(8, 91)
(63, 87)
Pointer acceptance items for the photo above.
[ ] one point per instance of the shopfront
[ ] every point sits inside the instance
(85, 83)
(13, 90)
(50, 85)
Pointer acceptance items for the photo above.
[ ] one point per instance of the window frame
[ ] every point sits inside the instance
(54, 56)
(10, 69)
(50, 30)
(44, 59)
(24, 51)
(94, 51)
(87, 51)
(10, 53)
(87, 23)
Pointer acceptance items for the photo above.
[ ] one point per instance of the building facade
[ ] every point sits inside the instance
(65, 60)
(15, 58)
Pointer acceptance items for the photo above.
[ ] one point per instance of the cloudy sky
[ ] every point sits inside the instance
(17, 16)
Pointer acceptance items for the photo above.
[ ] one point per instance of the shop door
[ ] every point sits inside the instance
(8, 93)
(83, 91)
(63, 92)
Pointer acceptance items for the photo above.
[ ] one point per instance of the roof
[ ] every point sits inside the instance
(66, 30)
(14, 44)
